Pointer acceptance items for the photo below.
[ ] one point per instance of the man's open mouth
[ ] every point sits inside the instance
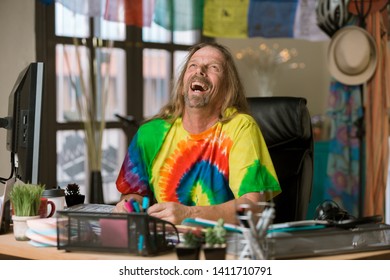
(198, 86)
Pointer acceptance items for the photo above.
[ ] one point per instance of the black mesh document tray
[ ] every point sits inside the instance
(134, 233)
(329, 241)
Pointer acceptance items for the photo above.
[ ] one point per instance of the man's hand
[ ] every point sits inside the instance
(170, 211)
(175, 213)
(120, 206)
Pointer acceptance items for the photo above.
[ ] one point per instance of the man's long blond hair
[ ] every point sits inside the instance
(235, 95)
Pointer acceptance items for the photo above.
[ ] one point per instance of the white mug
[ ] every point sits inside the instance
(57, 196)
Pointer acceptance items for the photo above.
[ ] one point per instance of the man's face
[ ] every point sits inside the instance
(203, 78)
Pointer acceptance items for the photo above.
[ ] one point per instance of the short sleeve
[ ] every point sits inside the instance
(251, 167)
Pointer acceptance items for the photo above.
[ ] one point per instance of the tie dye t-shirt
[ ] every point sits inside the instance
(222, 163)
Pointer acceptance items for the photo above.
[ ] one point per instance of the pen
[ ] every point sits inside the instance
(135, 205)
(128, 206)
(145, 203)
(140, 243)
(251, 224)
(241, 215)
(268, 215)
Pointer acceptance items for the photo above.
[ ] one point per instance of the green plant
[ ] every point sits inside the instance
(72, 189)
(192, 238)
(216, 235)
(26, 198)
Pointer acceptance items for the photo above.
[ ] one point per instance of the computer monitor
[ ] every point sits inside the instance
(23, 123)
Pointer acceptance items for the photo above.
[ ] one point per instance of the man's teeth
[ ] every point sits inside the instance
(198, 87)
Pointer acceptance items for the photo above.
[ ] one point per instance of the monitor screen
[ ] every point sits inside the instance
(23, 123)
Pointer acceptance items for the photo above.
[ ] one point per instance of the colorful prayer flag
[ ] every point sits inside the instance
(131, 12)
(305, 26)
(92, 8)
(271, 18)
(179, 15)
(225, 18)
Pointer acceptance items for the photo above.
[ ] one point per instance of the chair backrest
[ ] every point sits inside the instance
(286, 126)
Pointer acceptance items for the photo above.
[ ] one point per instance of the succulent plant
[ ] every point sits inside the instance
(72, 189)
(192, 238)
(216, 235)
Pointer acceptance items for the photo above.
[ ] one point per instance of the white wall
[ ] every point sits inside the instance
(311, 82)
(17, 50)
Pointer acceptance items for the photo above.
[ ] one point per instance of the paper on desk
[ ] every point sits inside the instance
(43, 232)
(39, 244)
(199, 222)
(47, 238)
(299, 223)
(114, 233)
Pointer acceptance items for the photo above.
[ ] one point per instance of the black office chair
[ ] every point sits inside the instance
(286, 126)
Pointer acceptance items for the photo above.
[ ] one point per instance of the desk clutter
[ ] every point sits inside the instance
(42, 232)
(321, 240)
(82, 228)
(94, 227)
(254, 227)
(333, 231)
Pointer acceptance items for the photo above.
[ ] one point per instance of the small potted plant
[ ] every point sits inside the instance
(25, 201)
(73, 195)
(189, 249)
(215, 242)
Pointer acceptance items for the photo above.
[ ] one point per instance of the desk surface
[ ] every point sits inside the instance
(22, 249)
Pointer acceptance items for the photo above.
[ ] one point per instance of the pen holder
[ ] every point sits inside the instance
(255, 221)
(134, 233)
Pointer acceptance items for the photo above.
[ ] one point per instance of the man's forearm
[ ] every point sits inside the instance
(226, 210)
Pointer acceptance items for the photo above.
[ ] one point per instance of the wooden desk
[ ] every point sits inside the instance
(22, 249)
(10, 248)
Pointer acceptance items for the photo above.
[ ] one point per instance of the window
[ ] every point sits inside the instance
(132, 70)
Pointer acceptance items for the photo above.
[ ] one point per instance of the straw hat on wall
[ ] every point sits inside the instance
(352, 55)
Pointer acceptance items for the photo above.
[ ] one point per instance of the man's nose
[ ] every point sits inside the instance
(201, 70)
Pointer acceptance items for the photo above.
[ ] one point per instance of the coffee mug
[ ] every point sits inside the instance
(57, 196)
(43, 208)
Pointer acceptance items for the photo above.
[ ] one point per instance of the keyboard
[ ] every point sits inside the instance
(90, 207)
